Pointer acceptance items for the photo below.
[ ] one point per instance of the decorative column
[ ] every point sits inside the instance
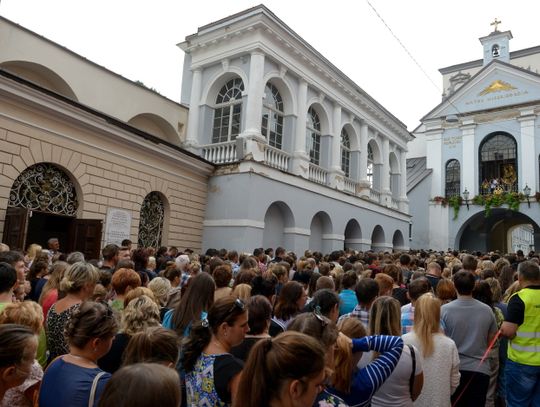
(336, 173)
(193, 115)
(403, 200)
(527, 156)
(469, 162)
(300, 159)
(250, 144)
(363, 183)
(386, 194)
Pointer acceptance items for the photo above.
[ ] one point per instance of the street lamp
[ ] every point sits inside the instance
(466, 198)
(527, 193)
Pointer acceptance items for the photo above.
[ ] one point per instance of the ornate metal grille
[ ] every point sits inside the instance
(44, 187)
(452, 182)
(151, 222)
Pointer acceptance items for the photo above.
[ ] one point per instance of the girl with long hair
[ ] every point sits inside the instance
(441, 359)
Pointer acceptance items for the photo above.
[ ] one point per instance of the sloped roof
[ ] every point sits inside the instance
(416, 172)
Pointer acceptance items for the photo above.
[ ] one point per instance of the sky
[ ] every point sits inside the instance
(137, 39)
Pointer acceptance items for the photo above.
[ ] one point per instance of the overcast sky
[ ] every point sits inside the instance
(137, 39)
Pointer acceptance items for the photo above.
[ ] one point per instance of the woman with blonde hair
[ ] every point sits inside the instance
(140, 314)
(404, 385)
(78, 284)
(33, 250)
(28, 314)
(242, 291)
(441, 359)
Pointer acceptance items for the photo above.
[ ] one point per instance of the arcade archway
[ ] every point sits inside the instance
(481, 233)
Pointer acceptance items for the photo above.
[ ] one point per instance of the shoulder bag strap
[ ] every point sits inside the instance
(411, 380)
(93, 389)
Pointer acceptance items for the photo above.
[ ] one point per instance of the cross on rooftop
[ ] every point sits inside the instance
(496, 23)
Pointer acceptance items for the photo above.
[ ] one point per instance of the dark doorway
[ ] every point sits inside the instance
(42, 226)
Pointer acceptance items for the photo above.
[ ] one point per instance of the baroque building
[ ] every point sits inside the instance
(474, 166)
(306, 158)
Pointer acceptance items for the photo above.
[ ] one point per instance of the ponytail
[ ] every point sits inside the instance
(198, 339)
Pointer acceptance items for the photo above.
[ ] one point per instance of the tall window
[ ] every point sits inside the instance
(313, 136)
(498, 163)
(227, 111)
(345, 152)
(452, 183)
(151, 221)
(370, 165)
(272, 119)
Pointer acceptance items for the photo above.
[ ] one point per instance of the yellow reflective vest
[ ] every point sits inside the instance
(524, 348)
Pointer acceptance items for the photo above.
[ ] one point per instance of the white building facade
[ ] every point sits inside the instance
(482, 152)
(306, 158)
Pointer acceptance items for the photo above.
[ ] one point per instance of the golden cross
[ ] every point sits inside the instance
(495, 23)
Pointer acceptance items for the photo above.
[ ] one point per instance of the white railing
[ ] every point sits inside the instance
(220, 153)
(394, 203)
(317, 174)
(375, 195)
(276, 158)
(349, 186)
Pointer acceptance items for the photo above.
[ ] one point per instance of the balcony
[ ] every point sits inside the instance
(220, 153)
(349, 186)
(374, 195)
(276, 158)
(318, 174)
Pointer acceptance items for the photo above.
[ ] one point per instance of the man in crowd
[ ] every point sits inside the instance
(433, 274)
(417, 287)
(522, 327)
(110, 257)
(471, 325)
(16, 260)
(367, 290)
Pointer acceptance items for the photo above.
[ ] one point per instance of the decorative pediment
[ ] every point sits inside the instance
(496, 86)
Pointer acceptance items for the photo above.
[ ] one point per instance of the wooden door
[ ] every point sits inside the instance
(15, 228)
(86, 237)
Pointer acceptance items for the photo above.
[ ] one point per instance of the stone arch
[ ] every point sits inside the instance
(219, 79)
(285, 90)
(323, 114)
(398, 242)
(353, 235)
(353, 136)
(40, 75)
(378, 240)
(481, 233)
(277, 219)
(155, 125)
(153, 220)
(377, 151)
(320, 228)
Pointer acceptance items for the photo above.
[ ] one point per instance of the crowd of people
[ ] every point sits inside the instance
(145, 326)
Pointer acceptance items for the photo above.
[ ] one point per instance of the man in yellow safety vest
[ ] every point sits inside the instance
(522, 327)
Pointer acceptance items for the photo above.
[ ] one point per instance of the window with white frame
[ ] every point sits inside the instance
(227, 111)
(313, 136)
(345, 152)
(272, 118)
(370, 165)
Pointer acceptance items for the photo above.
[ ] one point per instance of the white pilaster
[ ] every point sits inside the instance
(469, 162)
(527, 162)
(363, 182)
(300, 161)
(194, 102)
(434, 160)
(336, 174)
(403, 200)
(385, 180)
(250, 142)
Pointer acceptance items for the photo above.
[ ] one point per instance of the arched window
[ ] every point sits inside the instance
(227, 111)
(272, 119)
(345, 152)
(495, 51)
(151, 221)
(370, 165)
(498, 163)
(46, 188)
(313, 136)
(452, 180)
